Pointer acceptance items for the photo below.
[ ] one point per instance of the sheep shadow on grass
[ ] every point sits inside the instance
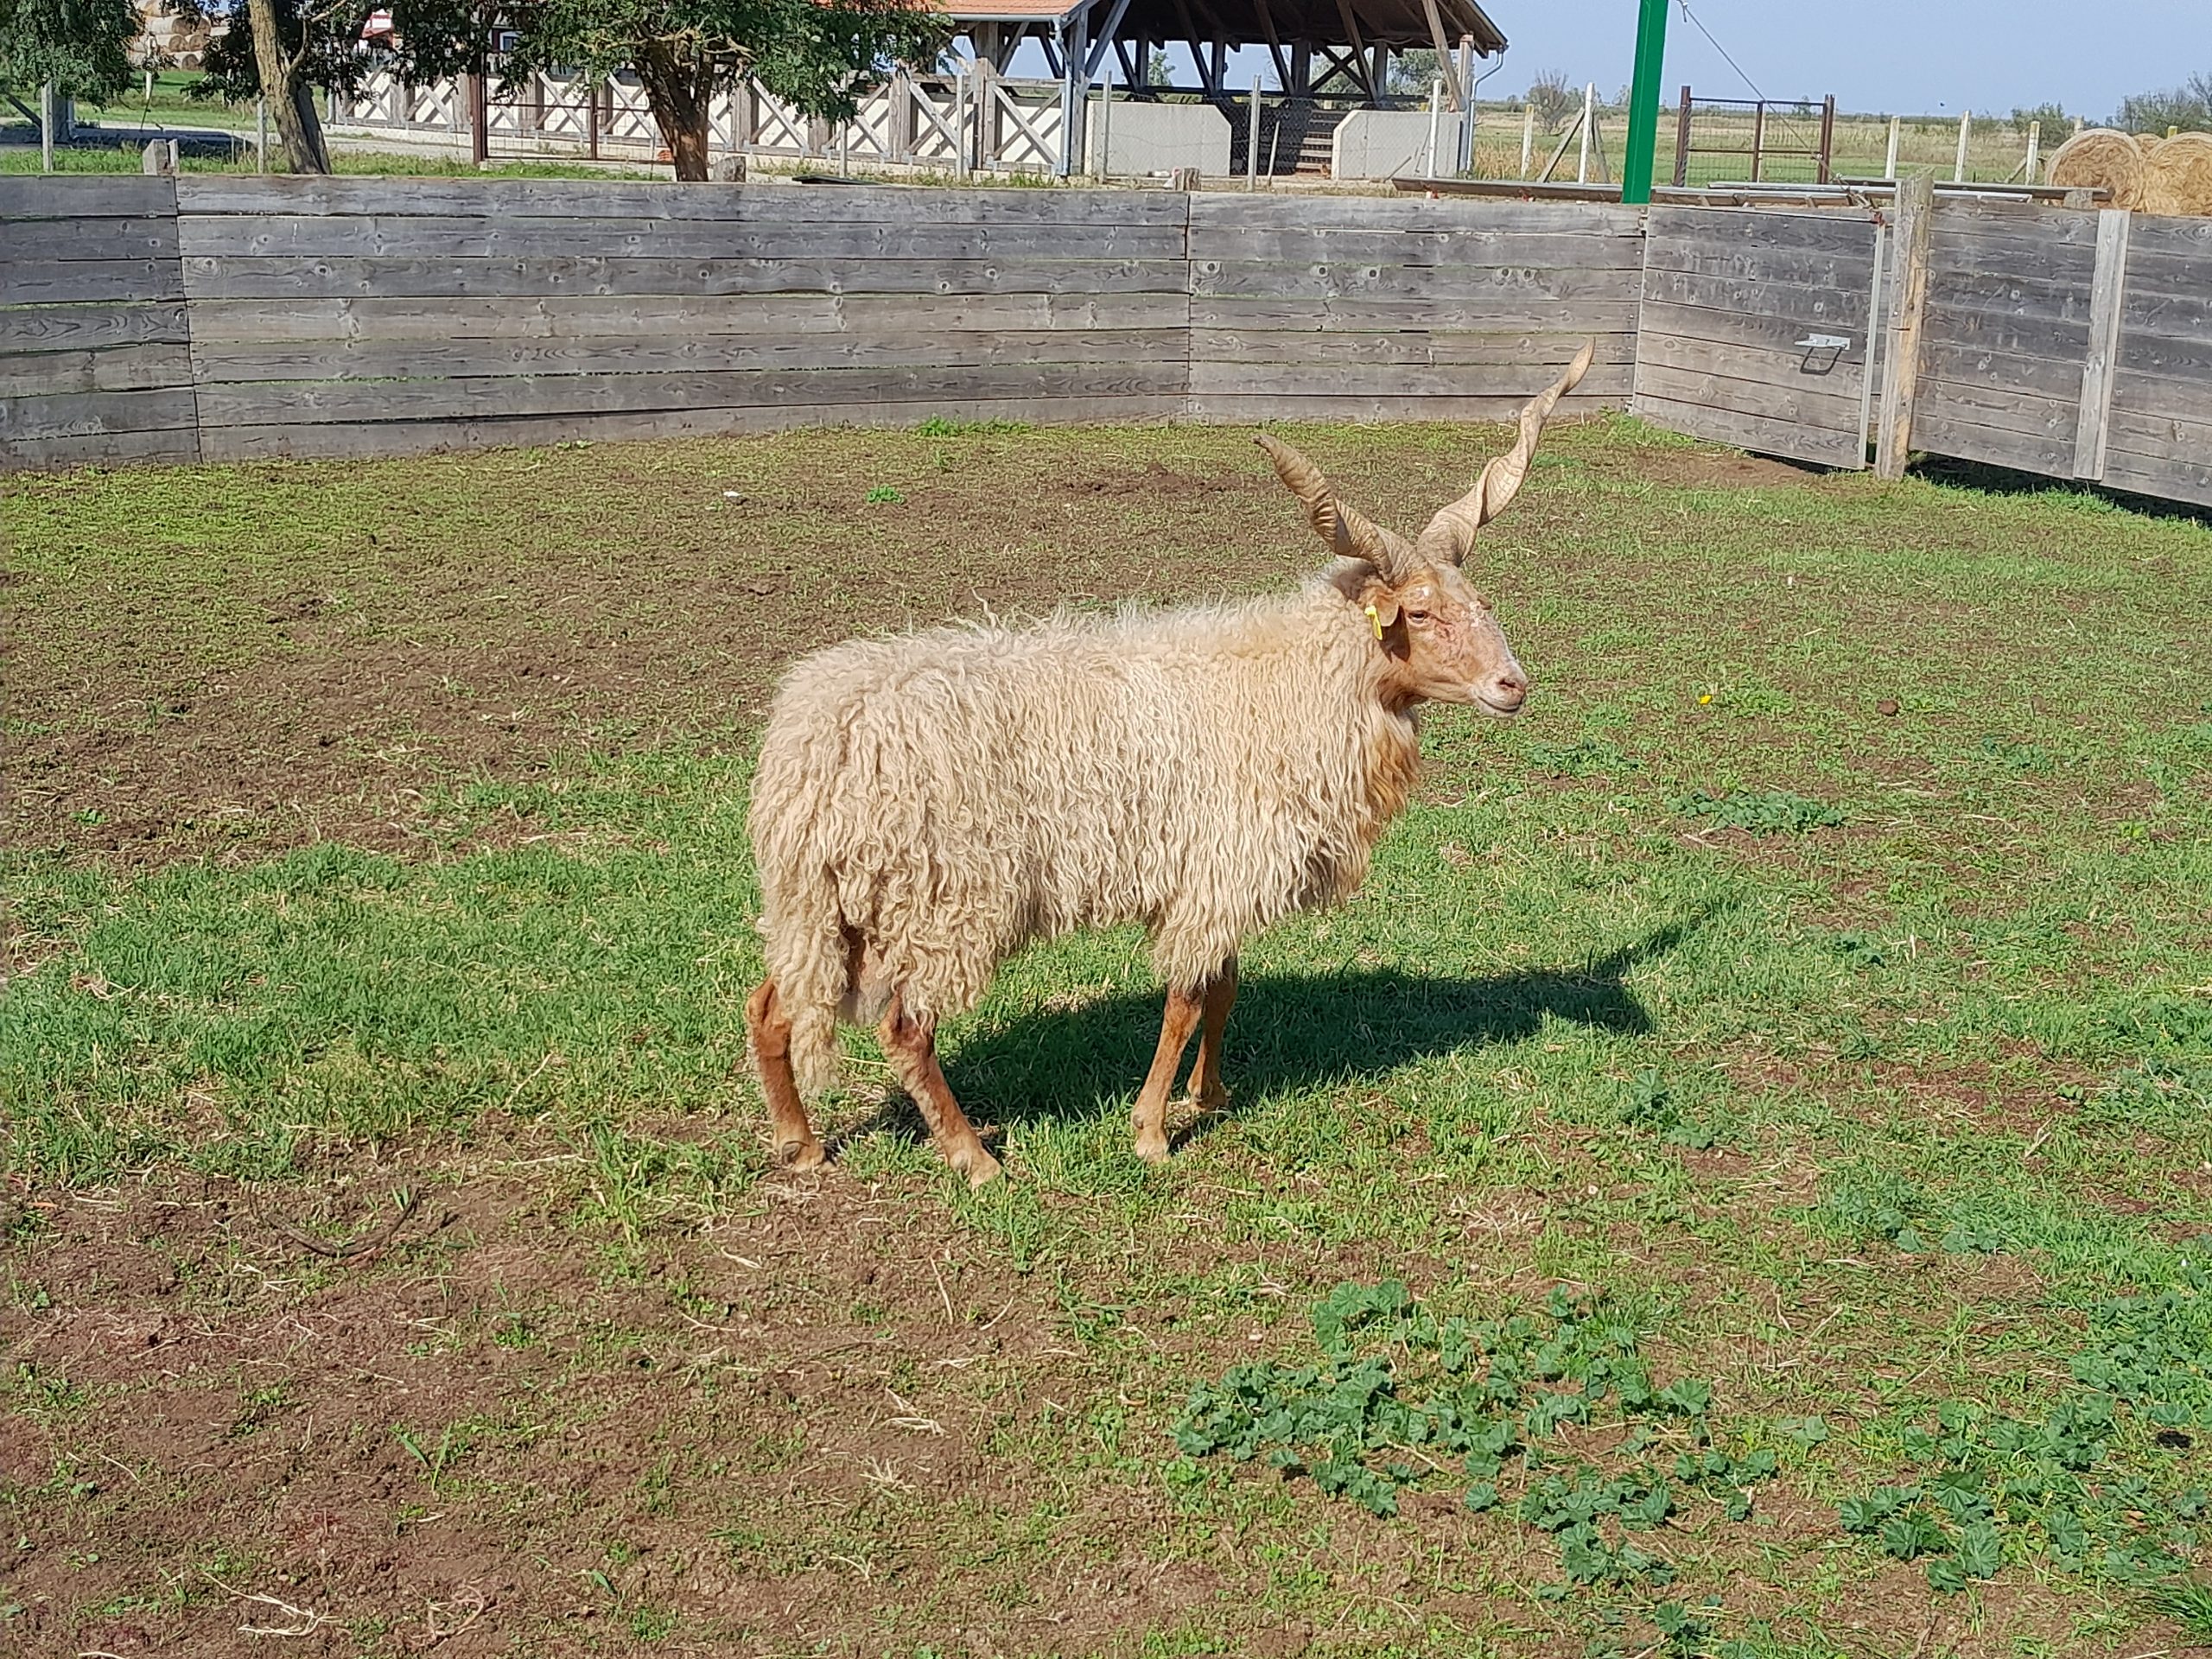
(1289, 1033)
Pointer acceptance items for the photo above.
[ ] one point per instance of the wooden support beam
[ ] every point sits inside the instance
(2104, 343)
(1274, 45)
(1445, 68)
(1359, 48)
(1916, 208)
(1209, 81)
(1104, 38)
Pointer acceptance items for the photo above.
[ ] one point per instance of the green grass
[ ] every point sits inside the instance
(1859, 1064)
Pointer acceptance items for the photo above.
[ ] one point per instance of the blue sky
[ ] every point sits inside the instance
(1910, 57)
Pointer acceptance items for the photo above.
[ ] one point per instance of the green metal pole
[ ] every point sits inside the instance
(1644, 101)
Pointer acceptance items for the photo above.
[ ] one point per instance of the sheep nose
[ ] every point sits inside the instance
(1511, 688)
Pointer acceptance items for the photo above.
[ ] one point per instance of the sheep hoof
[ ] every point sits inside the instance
(979, 1166)
(1153, 1151)
(1213, 1100)
(799, 1156)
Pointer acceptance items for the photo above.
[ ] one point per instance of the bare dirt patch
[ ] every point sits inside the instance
(489, 1440)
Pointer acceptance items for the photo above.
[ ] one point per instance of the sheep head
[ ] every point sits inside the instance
(1442, 640)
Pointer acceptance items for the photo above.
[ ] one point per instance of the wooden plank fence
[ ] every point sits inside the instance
(377, 316)
(159, 318)
(1327, 308)
(1756, 328)
(95, 337)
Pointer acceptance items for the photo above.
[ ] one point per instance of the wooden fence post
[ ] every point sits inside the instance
(1681, 143)
(1889, 161)
(1915, 206)
(2104, 343)
(479, 117)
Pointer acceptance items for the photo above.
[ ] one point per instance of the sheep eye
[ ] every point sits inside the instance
(1416, 616)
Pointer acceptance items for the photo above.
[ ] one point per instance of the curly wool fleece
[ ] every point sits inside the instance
(928, 804)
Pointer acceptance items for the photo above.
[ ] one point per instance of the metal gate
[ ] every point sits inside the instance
(1757, 328)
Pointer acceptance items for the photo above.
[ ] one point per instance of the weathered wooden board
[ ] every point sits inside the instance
(67, 416)
(270, 403)
(2156, 235)
(358, 197)
(2156, 396)
(1774, 400)
(2160, 455)
(366, 277)
(42, 242)
(65, 196)
(1542, 353)
(225, 361)
(100, 448)
(1801, 267)
(1763, 331)
(1218, 211)
(385, 438)
(1969, 362)
(601, 317)
(1476, 288)
(1755, 330)
(1978, 402)
(115, 368)
(1357, 313)
(1383, 381)
(84, 327)
(1754, 432)
(1237, 407)
(1290, 245)
(29, 281)
(518, 237)
(1945, 432)
(2008, 333)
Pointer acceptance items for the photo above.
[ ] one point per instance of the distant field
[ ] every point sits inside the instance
(1799, 1023)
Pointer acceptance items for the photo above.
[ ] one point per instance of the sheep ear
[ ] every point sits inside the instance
(1353, 578)
(1365, 586)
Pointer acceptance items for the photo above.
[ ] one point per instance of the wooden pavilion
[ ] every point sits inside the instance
(1333, 51)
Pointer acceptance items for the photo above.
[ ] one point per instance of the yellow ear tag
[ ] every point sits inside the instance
(1375, 621)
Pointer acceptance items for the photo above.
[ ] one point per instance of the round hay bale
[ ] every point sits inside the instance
(2100, 156)
(2177, 177)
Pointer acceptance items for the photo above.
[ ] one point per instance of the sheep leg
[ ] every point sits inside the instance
(796, 1146)
(911, 1045)
(1149, 1120)
(1208, 1092)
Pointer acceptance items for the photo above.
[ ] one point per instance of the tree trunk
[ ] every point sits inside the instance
(285, 94)
(680, 92)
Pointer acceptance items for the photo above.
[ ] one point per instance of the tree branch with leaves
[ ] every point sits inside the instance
(821, 56)
(284, 51)
(81, 46)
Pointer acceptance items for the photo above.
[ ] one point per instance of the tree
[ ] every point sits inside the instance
(1553, 99)
(1412, 72)
(284, 50)
(82, 46)
(821, 56)
(2187, 107)
(2051, 117)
